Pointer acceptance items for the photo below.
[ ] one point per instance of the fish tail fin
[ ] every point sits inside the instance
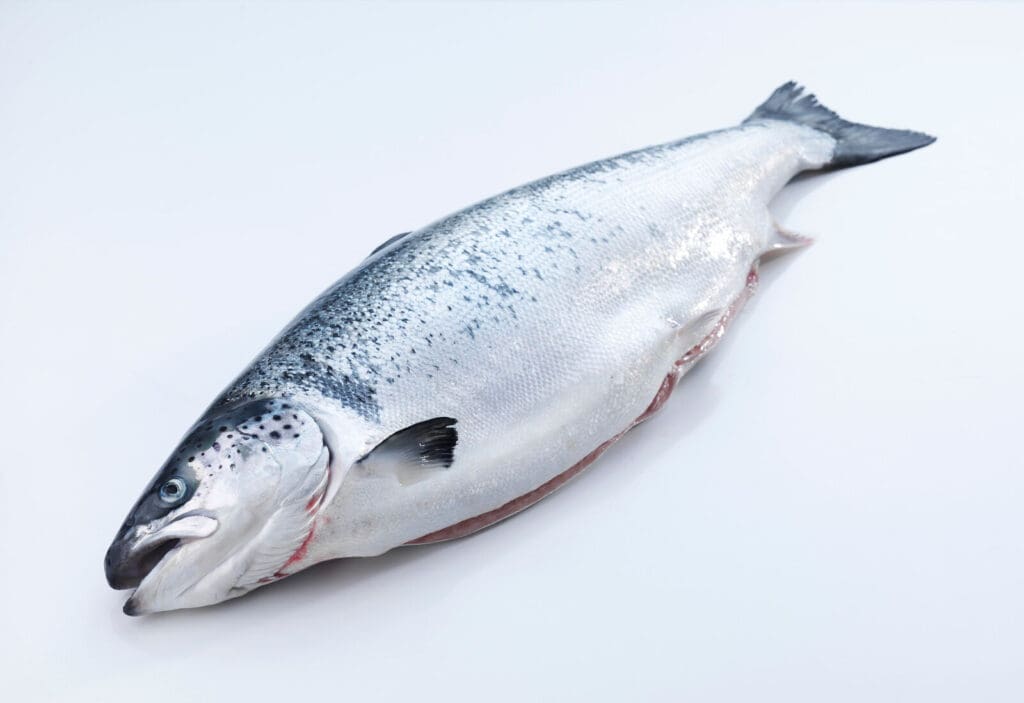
(855, 143)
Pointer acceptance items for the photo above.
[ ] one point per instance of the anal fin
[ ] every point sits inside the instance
(782, 241)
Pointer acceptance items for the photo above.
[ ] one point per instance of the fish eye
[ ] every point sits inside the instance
(173, 490)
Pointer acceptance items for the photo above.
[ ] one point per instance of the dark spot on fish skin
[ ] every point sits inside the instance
(277, 417)
(339, 348)
(275, 434)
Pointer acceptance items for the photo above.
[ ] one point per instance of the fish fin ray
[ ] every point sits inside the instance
(413, 453)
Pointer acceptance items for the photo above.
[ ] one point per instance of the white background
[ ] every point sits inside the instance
(829, 509)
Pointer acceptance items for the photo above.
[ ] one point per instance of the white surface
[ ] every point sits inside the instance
(830, 508)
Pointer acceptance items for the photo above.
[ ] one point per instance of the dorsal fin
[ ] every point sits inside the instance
(415, 452)
(390, 241)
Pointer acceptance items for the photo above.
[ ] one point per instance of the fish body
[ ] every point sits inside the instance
(468, 368)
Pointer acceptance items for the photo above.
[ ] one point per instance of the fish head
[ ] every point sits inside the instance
(230, 509)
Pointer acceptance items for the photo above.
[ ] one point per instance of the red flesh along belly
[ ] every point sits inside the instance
(479, 522)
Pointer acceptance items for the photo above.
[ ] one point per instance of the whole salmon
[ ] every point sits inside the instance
(469, 368)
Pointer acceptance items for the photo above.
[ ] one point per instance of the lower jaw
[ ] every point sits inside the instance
(135, 603)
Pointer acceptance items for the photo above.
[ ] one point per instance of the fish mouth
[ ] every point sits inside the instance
(126, 568)
(132, 557)
(130, 573)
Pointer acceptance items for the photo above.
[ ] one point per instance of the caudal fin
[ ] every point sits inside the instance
(855, 143)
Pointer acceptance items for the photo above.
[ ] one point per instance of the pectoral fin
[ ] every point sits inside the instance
(414, 453)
